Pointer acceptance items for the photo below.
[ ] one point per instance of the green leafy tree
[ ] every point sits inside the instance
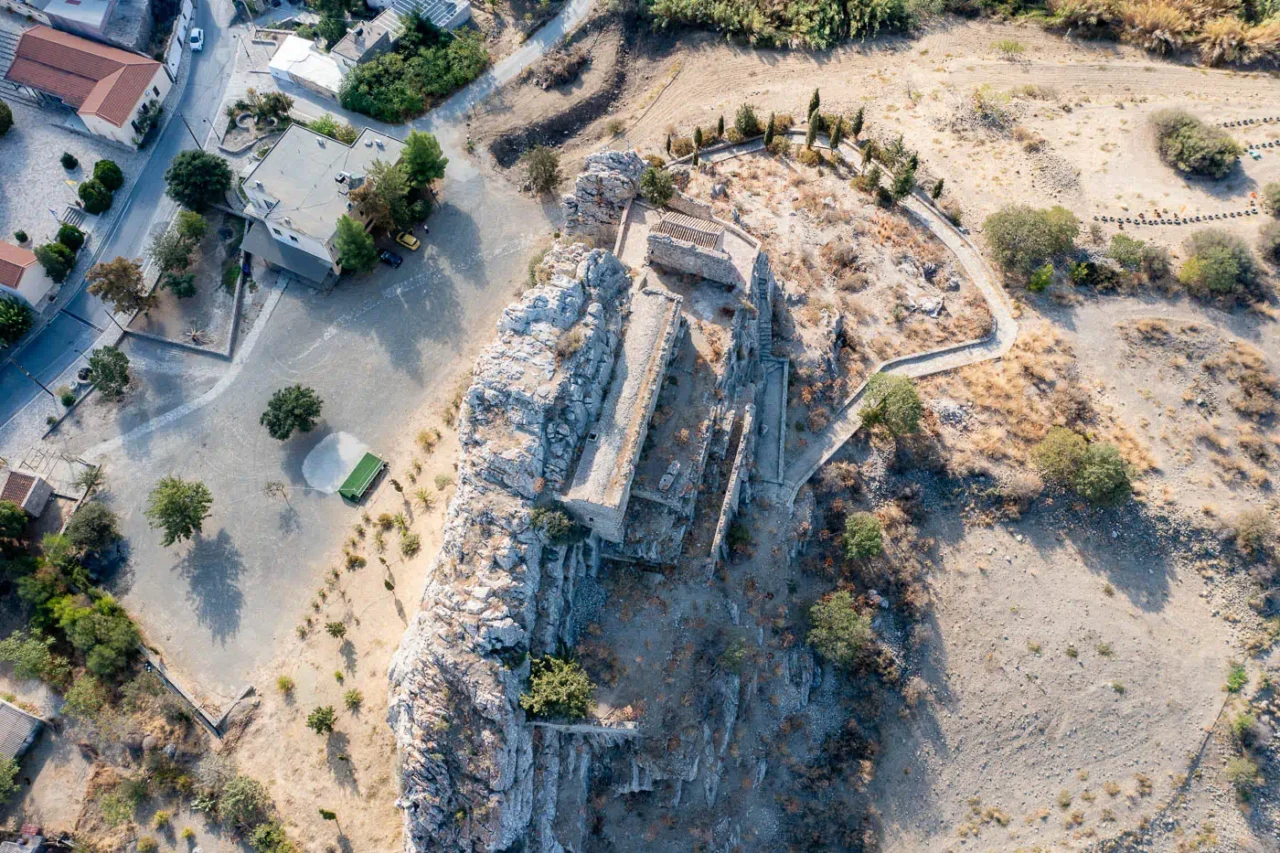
(87, 697)
(891, 402)
(198, 179)
(13, 520)
(32, 657)
(331, 28)
(558, 688)
(423, 159)
(1022, 238)
(108, 174)
(71, 237)
(383, 198)
(289, 409)
(101, 631)
(657, 186)
(1269, 242)
(119, 282)
(6, 118)
(170, 251)
(93, 528)
(190, 226)
(96, 197)
(15, 319)
(178, 508)
(56, 259)
(863, 536)
(356, 250)
(542, 169)
(321, 719)
(109, 371)
(839, 632)
(8, 766)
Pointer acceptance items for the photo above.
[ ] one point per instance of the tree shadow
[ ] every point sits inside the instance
(348, 652)
(212, 569)
(339, 761)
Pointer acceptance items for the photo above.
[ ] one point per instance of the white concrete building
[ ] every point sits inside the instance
(298, 61)
(22, 276)
(299, 191)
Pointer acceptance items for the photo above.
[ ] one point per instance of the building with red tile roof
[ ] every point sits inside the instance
(110, 89)
(22, 276)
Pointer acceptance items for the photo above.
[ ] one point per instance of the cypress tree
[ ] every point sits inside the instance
(855, 127)
(720, 128)
(697, 138)
(837, 133)
(768, 132)
(668, 145)
(812, 133)
(814, 102)
(936, 193)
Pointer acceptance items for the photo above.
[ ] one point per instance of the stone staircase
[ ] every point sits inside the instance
(764, 315)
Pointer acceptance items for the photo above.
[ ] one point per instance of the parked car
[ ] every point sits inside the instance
(389, 258)
(197, 39)
(410, 242)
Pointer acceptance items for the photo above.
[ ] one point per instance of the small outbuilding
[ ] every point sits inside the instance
(18, 730)
(26, 490)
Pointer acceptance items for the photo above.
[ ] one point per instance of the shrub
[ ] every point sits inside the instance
(71, 237)
(93, 528)
(56, 259)
(1040, 280)
(426, 63)
(410, 545)
(1022, 238)
(542, 169)
(96, 197)
(108, 174)
(243, 803)
(863, 536)
(1126, 251)
(285, 685)
(1254, 531)
(838, 631)
(294, 408)
(1103, 478)
(353, 699)
(891, 402)
(1269, 242)
(1189, 145)
(681, 146)
(1241, 772)
(15, 318)
(20, 236)
(161, 819)
(321, 719)
(68, 161)
(1271, 197)
(1059, 454)
(1237, 677)
(6, 118)
(1218, 264)
(12, 520)
(270, 837)
(747, 123)
(810, 157)
(555, 524)
(147, 844)
(657, 186)
(32, 657)
(558, 688)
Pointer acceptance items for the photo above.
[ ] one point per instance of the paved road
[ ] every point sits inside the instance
(73, 332)
(376, 349)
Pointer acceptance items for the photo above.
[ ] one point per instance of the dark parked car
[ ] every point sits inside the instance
(390, 258)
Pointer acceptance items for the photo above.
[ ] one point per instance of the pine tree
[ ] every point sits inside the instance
(855, 127)
(837, 133)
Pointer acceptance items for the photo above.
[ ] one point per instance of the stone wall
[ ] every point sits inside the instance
(497, 590)
(609, 180)
(737, 491)
(682, 203)
(679, 256)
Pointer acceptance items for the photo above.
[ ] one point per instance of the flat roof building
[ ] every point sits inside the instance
(297, 61)
(601, 485)
(301, 188)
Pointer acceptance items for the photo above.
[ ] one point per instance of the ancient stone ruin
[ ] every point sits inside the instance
(606, 395)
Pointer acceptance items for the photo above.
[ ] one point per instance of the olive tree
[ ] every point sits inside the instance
(289, 409)
(178, 508)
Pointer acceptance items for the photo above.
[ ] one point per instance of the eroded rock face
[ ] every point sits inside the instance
(608, 181)
(467, 759)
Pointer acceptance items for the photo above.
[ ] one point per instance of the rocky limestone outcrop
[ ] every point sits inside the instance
(608, 181)
(497, 590)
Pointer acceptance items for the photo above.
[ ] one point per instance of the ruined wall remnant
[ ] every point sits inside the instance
(684, 257)
(497, 591)
(610, 179)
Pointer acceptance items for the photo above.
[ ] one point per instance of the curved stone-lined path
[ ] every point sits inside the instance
(846, 421)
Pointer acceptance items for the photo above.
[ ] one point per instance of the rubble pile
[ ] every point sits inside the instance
(497, 590)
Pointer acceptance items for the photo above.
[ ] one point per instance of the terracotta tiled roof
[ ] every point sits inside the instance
(17, 487)
(700, 232)
(95, 79)
(14, 261)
